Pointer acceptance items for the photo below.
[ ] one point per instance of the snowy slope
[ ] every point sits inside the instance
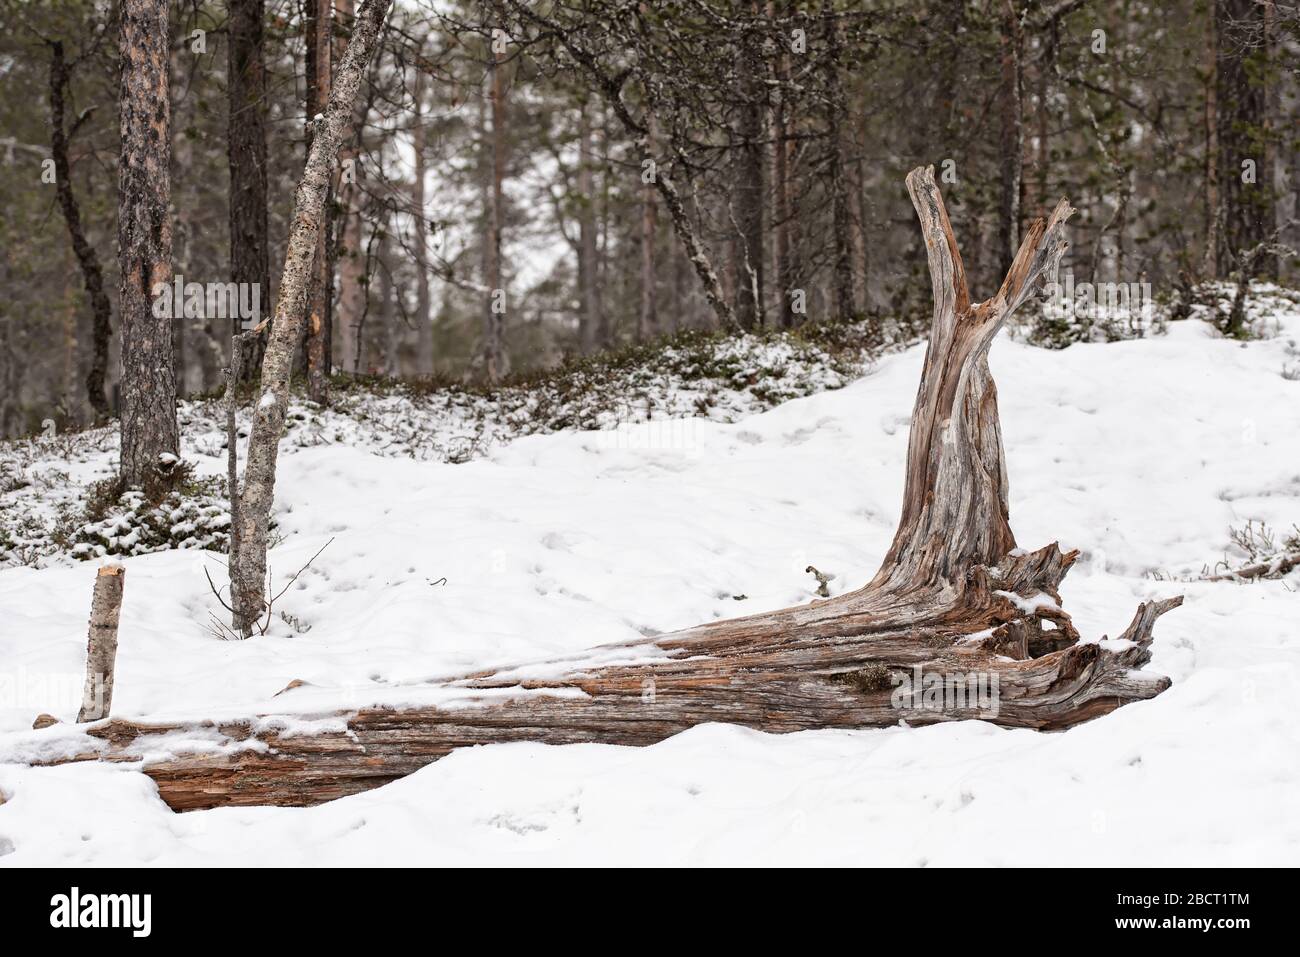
(1142, 454)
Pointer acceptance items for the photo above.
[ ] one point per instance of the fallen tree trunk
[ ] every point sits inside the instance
(958, 623)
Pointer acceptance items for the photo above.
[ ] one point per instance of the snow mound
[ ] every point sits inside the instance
(1143, 454)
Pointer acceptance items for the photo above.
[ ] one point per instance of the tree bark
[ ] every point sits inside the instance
(647, 322)
(842, 269)
(749, 189)
(244, 607)
(1210, 261)
(101, 645)
(954, 601)
(246, 154)
(309, 200)
(1242, 118)
(1012, 135)
(494, 303)
(589, 322)
(91, 272)
(783, 243)
(353, 287)
(144, 241)
(424, 360)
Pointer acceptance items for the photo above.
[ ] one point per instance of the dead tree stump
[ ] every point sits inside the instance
(959, 623)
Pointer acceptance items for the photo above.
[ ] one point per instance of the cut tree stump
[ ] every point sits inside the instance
(958, 623)
(101, 644)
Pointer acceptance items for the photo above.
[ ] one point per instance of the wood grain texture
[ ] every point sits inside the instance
(955, 600)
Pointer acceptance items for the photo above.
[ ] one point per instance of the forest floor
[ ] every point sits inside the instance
(1144, 454)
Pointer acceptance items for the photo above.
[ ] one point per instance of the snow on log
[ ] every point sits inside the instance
(959, 623)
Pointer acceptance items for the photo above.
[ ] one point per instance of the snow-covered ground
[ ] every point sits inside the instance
(1143, 454)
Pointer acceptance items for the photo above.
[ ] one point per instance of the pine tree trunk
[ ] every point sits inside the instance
(353, 294)
(91, 272)
(424, 359)
(144, 241)
(841, 221)
(1242, 119)
(494, 302)
(783, 207)
(647, 323)
(589, 323)
(1210, 263)
(390, 327)
(1012, 136)
(353, 297)
(749, 189)
(246, 154)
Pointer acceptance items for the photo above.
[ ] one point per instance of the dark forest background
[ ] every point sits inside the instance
(530, 181)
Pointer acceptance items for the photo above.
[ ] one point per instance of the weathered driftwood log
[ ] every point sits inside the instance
(958, 623)
(101, 644)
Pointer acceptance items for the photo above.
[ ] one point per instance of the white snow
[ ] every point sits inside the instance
(1139, 453)
(1032, 604)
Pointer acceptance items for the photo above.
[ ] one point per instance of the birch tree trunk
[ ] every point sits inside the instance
(144, 241)
(308, 213)
(316, 343)
(958, 623)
